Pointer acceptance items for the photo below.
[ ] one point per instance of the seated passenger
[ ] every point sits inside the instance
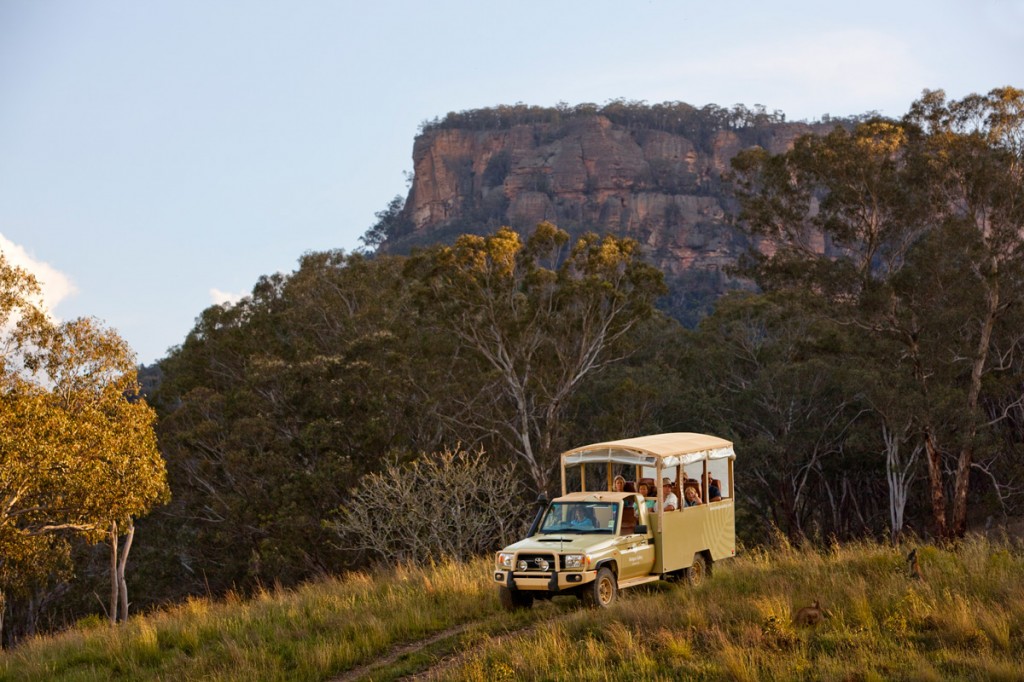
(618, 483)
(650, 500)
(580, 519)
(671, 501)
(714, 491)
(692, 496)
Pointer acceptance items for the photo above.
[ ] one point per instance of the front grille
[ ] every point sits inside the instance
(536, 563)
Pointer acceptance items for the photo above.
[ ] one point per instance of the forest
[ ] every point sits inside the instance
(870, 395)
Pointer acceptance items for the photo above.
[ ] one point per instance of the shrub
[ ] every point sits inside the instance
(446, 504)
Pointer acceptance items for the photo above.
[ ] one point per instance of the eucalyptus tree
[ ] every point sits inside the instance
(274, 407)
(912, 230)
(77, 446)
(766, 372)
(537, 317)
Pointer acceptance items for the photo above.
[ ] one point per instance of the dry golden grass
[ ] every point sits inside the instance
(965, 620)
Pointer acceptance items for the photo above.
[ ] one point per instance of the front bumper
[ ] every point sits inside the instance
(552, 581)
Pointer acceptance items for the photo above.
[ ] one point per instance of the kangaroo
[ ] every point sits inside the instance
(913, 566)
(809, 615)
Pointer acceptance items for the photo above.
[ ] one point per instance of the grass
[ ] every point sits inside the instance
(310, 633)
(965, 620)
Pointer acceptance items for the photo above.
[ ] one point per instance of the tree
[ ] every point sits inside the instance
(765, 371)
(538, 320)
(77, 447)
(390, 223)
(913, 230)
(273, 408)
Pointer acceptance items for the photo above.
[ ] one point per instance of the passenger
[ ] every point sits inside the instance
(580, 519)
(692, 496)
(618, 483)
(714, 493)
(671, 501)
(650, 501)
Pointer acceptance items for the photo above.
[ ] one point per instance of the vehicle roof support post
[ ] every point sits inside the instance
(563, 477)
(609, 468)
(583, 477)
(732, 480)
(705, 482)
(661, 498)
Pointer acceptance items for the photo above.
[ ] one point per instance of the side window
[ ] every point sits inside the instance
(718, 472)
(630, 516)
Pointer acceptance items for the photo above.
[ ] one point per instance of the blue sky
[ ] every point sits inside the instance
(157, 157)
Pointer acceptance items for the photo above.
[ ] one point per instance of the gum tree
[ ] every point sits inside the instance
(912, 231)
(77, 446)
(536, 318)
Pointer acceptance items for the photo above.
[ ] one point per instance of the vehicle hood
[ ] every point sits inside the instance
(563, 543)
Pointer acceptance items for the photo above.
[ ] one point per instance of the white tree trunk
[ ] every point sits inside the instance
(120, 570)
(113, 573)
(899, 475)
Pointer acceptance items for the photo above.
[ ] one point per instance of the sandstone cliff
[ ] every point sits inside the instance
(587, 172)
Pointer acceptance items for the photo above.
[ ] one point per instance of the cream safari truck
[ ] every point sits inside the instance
(594, 541)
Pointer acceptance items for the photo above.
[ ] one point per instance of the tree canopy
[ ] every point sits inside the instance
(912, 231)
(77, 446)
(539, 316)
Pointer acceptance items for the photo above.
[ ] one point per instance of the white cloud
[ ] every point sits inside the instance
(56, 286)
(224, 298)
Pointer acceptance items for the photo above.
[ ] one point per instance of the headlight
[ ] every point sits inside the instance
(505, 560)
(574, 560)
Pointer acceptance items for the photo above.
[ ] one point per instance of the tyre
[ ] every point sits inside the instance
(603, 591)
(513, 600)
(700, 571)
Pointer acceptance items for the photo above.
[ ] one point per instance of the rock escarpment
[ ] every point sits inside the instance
(657, 181)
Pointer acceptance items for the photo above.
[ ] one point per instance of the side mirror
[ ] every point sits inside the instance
(640, 529)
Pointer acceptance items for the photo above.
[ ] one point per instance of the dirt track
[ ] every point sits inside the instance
(397, 652)
(438, 668)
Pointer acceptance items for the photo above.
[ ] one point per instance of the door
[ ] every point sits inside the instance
(636, 552)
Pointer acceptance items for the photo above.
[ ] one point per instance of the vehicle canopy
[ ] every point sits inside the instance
(661, 452)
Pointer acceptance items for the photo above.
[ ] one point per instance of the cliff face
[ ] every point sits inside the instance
(661, 188)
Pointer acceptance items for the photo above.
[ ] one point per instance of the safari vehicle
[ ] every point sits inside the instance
(595, 541)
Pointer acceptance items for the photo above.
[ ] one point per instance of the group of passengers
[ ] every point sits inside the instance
(691, 494)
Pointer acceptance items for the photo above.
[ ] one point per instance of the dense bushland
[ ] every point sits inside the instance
(867, 394)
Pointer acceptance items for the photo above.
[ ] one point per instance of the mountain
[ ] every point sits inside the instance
(653, 173)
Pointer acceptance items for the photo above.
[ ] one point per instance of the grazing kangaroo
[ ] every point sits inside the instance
(809, 615)
(913, 566)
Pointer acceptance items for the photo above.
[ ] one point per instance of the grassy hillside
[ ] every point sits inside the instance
(964, 620)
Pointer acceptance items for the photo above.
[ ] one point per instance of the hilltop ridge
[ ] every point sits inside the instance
(652, 173)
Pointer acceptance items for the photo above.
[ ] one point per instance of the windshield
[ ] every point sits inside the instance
(580, 517)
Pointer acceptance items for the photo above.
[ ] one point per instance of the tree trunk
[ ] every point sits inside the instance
(935, 479)
(899, 475)
(963, 466)
(3, 608)
(120, 570)
(114, 587)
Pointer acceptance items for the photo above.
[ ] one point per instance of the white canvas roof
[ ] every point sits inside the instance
(671, 449)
